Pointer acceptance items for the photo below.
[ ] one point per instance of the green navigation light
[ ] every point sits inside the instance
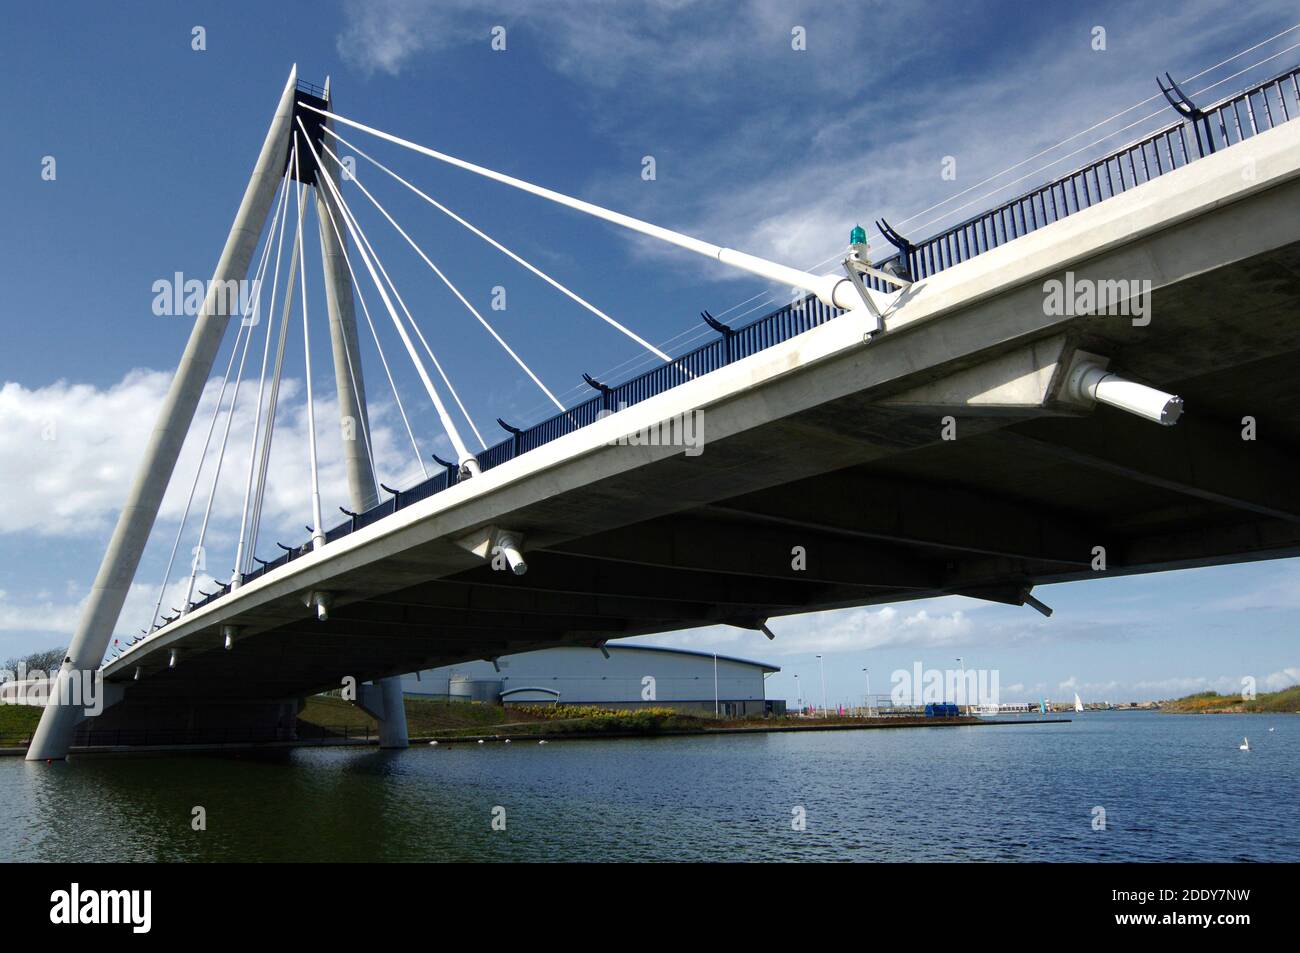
(858, 236)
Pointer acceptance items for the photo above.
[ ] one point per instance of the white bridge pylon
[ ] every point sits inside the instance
(283, 157)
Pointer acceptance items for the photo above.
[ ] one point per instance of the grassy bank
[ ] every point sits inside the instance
(424, 717)
(451, 720)
(17, 722)
(1212, 703)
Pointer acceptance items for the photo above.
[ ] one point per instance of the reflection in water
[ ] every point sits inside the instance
(1174, 788)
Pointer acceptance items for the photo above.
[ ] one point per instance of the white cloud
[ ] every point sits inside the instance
(843, 630)
(660, 43)
(1276, 681)
(801, 145)
(68, 453)
(1280, 590)
(41, 614)
(1186, 685)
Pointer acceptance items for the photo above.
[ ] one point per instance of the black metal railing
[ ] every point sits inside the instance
(1225, 123)
(1222, 124)
(311, 89)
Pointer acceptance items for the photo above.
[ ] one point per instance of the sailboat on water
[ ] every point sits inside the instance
(1078, 705)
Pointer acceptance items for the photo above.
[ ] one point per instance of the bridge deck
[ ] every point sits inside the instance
(824, 442)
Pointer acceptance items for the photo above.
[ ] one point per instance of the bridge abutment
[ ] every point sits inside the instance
(202, 722)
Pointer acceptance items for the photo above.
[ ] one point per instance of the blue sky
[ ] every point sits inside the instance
(756, 146)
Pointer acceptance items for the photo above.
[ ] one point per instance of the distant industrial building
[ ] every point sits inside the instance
(620, 676)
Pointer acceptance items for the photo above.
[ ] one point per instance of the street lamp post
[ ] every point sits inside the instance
(963, 683)
(822, 667)
(867, 672)
(715, 684)
(798, 693)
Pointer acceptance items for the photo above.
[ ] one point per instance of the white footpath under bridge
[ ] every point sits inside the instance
(960, 444)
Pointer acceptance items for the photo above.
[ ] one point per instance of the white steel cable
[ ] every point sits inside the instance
(503, 249)
(264, 464)
(278, 221)
(212, 426)
(464, 457)
(379, 346)
(742, 261)
(362, 409)
(230, 419)
(317, 534)
(419, 334)
(447, 281)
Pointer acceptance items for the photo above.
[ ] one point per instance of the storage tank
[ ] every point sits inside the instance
(467, 688)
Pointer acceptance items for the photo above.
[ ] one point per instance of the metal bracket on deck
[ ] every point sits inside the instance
(903, 268)
(1185, 107)
(726, 332)
(321, 602)
(855, 268)
(490, 540)
(516, 436)
(857, 265)
(453, 471)
(606, 392)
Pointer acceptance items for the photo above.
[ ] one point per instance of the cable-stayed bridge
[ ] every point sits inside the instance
(991, 408)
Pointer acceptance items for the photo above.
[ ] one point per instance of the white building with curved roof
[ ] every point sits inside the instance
(620, 676)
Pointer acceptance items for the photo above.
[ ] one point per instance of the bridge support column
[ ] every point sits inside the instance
(99, 618)
(392, 726)
(354, 421)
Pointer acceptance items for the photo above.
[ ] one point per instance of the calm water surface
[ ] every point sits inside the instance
(1173, 787)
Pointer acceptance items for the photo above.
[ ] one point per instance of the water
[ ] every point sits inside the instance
(1173, 788)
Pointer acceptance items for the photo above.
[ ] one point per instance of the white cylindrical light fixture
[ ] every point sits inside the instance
(322, 602)
(1090, 381)
(509, 545)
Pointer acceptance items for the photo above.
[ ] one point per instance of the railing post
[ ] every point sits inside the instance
(516, 437)
(726, 332)
(453, 471)
(1185, 107)
(905, 250)
(606, 392)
